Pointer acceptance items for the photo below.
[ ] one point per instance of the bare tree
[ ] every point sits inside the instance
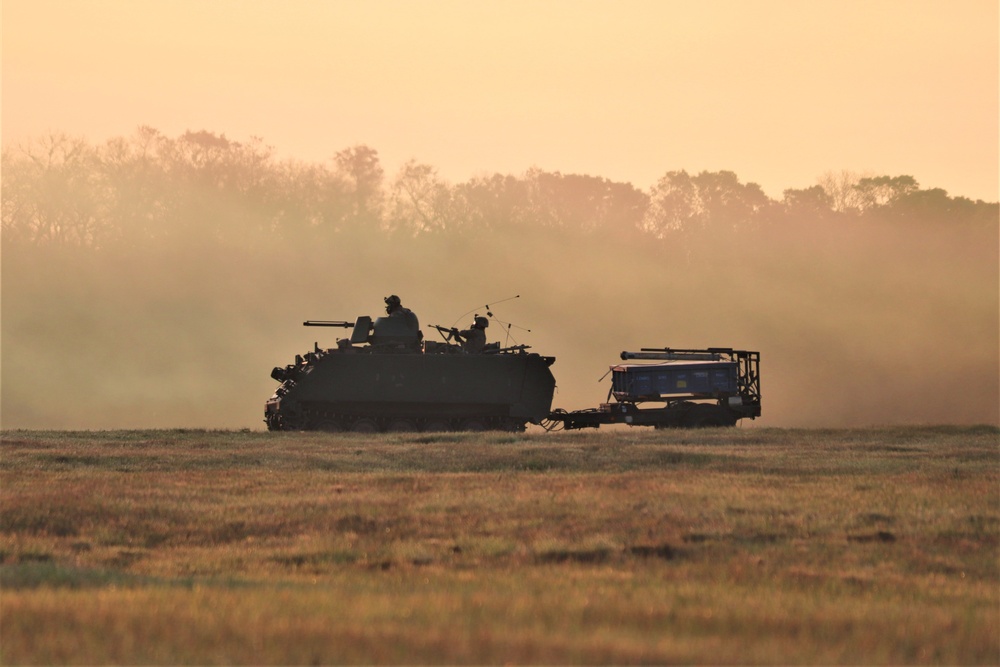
(360, 168)
(418, 202)
(50, 193)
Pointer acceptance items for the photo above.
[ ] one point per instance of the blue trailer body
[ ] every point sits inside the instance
(645, 382)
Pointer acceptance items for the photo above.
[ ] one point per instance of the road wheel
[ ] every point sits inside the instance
(401, 426)
(328, 426)
(273, 422)
(365, 425)
(437, 426)
(473, 425)
(512, 425)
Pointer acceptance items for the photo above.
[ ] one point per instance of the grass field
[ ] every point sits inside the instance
(640, 546)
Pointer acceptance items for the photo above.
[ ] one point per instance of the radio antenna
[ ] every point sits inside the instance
(485, 306)
(506, 325)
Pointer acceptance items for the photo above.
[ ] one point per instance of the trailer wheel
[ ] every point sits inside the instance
(703, 415)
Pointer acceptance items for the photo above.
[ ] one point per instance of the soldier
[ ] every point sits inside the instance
(473, 339)
(394, 308)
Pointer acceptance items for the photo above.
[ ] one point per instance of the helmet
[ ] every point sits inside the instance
(392, 303)
(481, 322)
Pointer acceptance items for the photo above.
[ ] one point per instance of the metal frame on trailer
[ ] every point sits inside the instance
(748, 364)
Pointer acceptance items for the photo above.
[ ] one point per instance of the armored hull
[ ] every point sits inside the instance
(439, 388)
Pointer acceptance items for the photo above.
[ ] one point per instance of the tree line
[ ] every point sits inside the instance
(150, 189)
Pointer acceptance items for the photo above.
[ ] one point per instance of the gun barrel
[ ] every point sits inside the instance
(674, 355)
(327, 323)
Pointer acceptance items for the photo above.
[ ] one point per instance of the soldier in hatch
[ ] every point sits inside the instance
(394, 308)
(473, 339)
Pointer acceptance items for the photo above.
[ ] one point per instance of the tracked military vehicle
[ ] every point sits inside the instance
(385, 377)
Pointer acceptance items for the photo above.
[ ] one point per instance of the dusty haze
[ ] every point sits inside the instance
(154, 282)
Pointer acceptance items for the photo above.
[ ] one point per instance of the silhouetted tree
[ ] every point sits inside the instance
(490, 204)
(935, 207)
(841, 188)
(812, 203)
(309, 201)
(728, 206)
(203, 189)
(674, 205)
(713, 203)
(51, 194)
(360, 169)
(584, 204)
(419, 201)
(135, 187)
(883, 190)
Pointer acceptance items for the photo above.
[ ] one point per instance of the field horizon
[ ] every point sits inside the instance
(756, 545)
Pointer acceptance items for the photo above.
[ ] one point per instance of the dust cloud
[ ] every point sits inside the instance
(857, 323)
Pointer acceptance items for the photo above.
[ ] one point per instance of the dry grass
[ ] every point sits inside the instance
(715, 546)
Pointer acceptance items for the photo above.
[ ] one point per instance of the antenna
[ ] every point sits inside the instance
(489, 312)
(486, 306)
(507, 327)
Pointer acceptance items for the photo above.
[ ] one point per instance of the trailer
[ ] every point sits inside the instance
(684, 388)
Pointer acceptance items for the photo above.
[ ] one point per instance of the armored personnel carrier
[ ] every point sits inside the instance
(385, 377)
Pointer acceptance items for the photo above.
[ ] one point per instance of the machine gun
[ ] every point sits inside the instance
(447, 332)
(490, 348)
(362, 326)
(327, 323)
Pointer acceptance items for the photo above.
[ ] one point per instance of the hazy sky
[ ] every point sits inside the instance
(779, 91)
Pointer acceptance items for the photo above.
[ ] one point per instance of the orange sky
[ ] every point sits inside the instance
(779, 91)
